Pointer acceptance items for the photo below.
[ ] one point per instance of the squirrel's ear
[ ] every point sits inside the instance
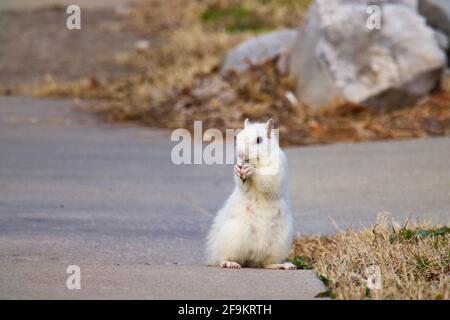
(246, 122)
(269, 127)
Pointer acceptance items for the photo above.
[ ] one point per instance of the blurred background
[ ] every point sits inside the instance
(321, 73)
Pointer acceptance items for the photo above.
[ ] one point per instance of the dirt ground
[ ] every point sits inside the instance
(36, 43)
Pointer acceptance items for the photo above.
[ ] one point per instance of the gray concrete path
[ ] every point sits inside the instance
(31, 4)
(134, 281)
(108, 198)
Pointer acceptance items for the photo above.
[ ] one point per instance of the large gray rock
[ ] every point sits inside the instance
(259, 49)
(337, 58)
(437, 14)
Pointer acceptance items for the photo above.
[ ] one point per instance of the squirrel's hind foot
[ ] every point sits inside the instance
(230, 264)
(281, 266)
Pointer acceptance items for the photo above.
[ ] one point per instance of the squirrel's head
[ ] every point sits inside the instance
(256, 141)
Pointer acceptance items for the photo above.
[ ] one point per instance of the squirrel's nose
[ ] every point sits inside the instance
(240, 154)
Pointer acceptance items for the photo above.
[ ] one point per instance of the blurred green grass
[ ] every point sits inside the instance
(254, 16)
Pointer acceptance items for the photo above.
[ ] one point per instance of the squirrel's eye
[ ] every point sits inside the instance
(259, 140)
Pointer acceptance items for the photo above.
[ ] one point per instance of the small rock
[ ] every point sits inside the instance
(142, 45)
(122, 9)
(259, 50)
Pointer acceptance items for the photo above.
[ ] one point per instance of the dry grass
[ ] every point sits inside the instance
(413, 259)
(223, 102)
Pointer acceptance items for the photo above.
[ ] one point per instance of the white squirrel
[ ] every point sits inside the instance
(254, 227)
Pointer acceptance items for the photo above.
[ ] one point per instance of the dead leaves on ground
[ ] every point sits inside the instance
(181, 83)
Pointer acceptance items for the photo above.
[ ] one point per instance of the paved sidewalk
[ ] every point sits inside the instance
(48, 281)
(108, 198)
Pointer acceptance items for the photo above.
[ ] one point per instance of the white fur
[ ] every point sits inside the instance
(254, 227)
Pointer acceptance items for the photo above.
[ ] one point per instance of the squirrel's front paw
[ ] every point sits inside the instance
(237, 171)
(247, 170)
(244, 171)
